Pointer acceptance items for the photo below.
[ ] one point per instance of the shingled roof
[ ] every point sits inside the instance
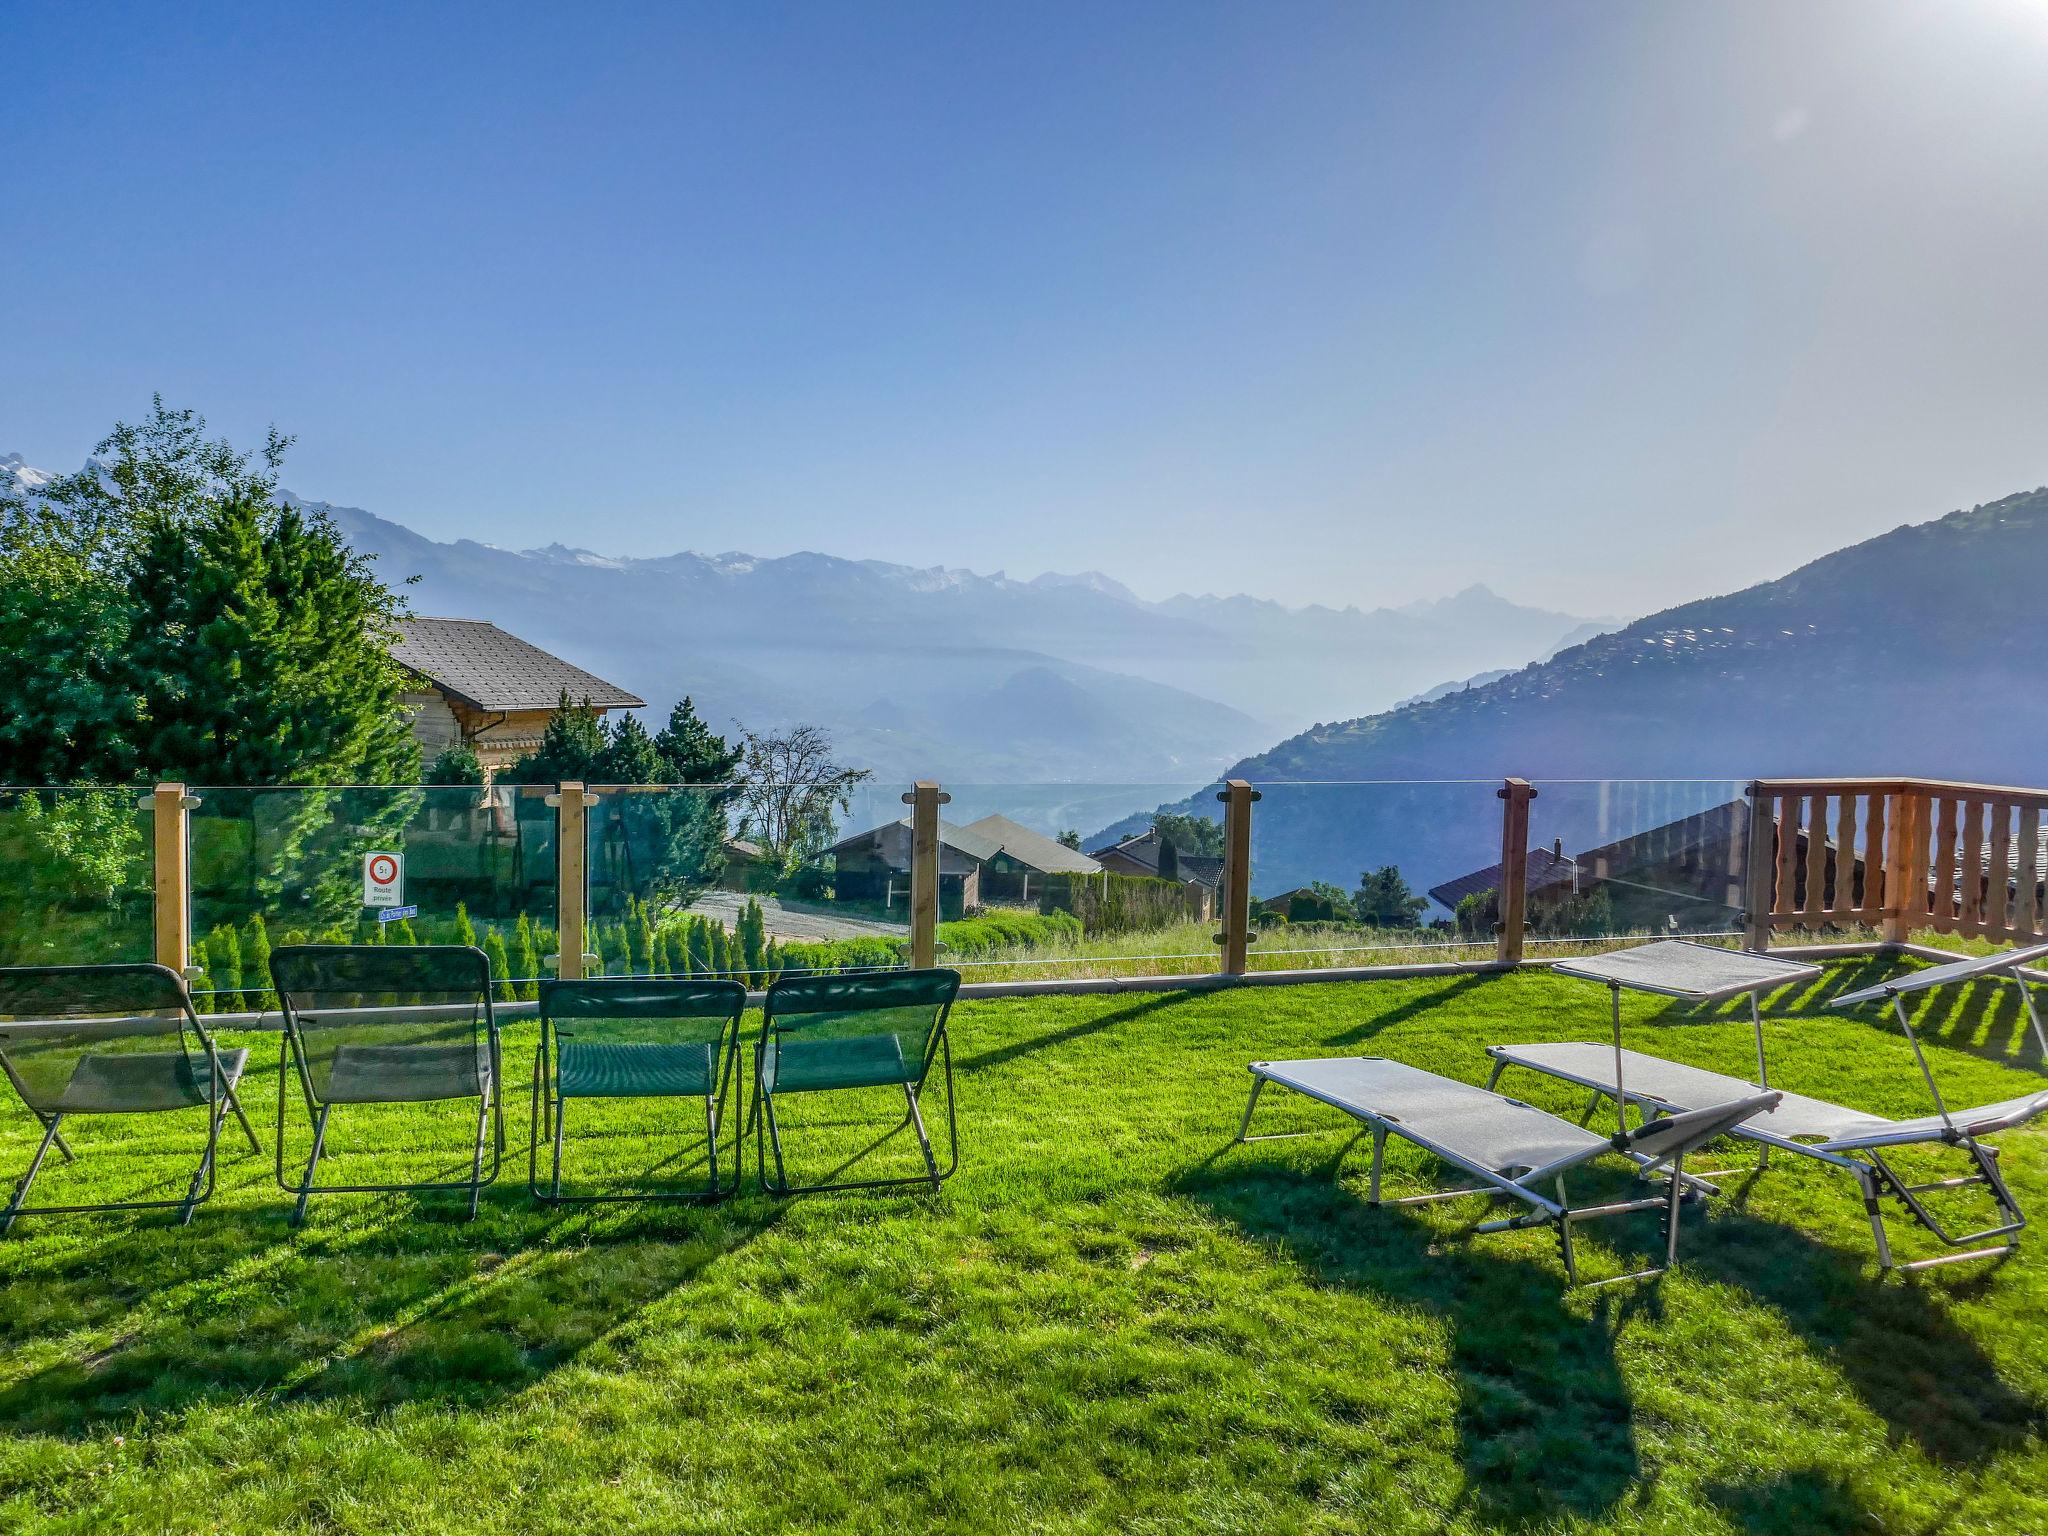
(1033, 848)
(479, 664)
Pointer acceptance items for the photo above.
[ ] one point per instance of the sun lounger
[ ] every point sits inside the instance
(1512, 1148)
(1850, 1140)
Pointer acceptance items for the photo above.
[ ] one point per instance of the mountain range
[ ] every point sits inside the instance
(940, 672)
(1918, 652)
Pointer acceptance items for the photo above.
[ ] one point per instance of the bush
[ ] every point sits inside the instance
(1111, 904)
(1010, 928)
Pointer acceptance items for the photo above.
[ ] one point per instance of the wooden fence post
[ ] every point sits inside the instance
(924, 799)
(572, 890)
(1238, 797)
(1760, 872)
(1513, 894)
(169, 808)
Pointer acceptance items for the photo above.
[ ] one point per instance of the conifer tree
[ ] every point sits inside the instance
(501, 971)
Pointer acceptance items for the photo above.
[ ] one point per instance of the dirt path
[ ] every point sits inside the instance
(796, 924)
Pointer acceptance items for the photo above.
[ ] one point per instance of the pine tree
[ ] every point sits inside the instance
(753, 941)
(658, 961)
(465, 930)
(224, 960)
(455, 765)
(256, 962)
(593, 939)
(527, 957)
(643, 937)
(629, 755)
(405, 933)
(572, 747)
(501, 969)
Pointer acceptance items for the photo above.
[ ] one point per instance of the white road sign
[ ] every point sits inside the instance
(383, 879)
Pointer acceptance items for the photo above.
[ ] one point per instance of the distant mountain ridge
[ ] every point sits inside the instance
(1921, 651)
(945, 672)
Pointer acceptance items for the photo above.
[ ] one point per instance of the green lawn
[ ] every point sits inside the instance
(1108, 1321)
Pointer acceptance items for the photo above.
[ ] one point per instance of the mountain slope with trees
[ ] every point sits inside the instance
(1921, 651)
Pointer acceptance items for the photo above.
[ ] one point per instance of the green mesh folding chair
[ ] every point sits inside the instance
(81, 1040)
(634, 1037)
(880, 1030)
(371, 1024)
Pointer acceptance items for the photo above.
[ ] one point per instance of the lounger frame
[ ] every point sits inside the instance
(1876, 1178)
(1557, 1213)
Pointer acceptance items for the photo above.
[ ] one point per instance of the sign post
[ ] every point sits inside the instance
(383, 879)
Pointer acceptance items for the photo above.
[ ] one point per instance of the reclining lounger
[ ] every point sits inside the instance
(1850, 1140)
(1511, 1147)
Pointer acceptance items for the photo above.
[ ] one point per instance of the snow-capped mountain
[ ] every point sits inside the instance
(941, 670)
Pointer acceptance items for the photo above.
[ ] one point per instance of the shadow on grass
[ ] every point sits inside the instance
(407, 1304)
(1423, 1002)
(1544, 1419)
(1072, 1032)
(1811, 1502)
(1893, 1340)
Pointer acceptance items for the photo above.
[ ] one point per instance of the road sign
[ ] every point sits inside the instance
(397, 914)
(383, 879)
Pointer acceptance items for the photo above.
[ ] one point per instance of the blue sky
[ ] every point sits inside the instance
(1606, 306)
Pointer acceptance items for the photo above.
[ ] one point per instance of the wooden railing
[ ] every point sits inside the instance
(1895, 855)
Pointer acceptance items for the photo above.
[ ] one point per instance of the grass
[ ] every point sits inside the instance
(1109, 1321)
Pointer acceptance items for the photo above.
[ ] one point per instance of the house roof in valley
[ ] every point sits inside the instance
(1140, 848)
(481, 665)
(1033, 848)
(1149, 851)
(960, 839)
(1545, 867)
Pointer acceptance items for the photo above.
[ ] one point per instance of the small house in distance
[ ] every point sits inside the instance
(1149, 856)
(490, 691)
(990, 860)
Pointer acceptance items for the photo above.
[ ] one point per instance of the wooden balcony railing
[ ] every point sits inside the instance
(1896, 855)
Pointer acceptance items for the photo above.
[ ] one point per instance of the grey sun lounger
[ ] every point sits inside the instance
(1512, 1148)
(1851, 1140)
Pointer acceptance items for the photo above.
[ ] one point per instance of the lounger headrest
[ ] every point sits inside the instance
(1672, 1135)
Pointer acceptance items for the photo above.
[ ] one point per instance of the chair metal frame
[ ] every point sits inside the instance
(547, 1101)
(938, 1047)
(292, 1052)
(200, 1188)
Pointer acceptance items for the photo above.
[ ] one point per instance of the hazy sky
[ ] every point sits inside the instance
(1606, 306)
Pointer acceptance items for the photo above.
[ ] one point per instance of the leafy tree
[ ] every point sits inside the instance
(1070, 839)
(1320, 902)
(456, 765)
(1478, 915)
(1190, 834)
(790, 790)
(1383, 899)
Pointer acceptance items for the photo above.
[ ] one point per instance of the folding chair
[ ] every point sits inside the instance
(1512, 1148)
(1850, 1141)
(370, 1024)
(81, 1040)
(879, 1030)
(634, 1037)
